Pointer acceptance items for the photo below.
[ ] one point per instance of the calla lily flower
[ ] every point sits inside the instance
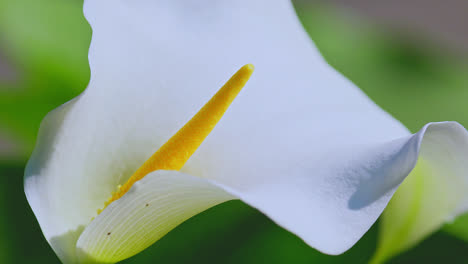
(300, 143)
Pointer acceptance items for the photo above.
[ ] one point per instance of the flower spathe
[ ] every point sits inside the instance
(300, 143)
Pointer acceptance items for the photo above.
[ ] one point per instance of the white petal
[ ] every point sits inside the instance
(152, 208)
(433, 194)
(331, 201)
(49, 196)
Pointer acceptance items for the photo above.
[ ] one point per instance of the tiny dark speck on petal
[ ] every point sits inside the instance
(147, 205)
(109, 233)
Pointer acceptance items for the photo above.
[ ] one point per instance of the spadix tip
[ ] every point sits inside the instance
(250, 67)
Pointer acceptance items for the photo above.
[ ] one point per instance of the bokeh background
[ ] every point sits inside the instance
(409, 56)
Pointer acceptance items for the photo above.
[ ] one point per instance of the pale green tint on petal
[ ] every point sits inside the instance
(400, 215)
(435, 192)
(154, 206)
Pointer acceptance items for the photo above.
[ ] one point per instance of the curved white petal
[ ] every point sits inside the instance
(434, 193)
(49, 194)
(301, 143)
(330, 199)
(153, 207)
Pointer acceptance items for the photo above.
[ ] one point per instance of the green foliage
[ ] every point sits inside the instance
(47, 44)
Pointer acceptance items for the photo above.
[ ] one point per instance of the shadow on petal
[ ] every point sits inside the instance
(383, 178)
(65, 245)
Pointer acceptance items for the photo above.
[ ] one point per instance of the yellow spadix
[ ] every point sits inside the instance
(178, 149)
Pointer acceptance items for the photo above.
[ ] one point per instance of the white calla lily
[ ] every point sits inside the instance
(300, 143)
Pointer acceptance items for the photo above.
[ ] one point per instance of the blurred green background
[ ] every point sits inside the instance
(43, 63)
